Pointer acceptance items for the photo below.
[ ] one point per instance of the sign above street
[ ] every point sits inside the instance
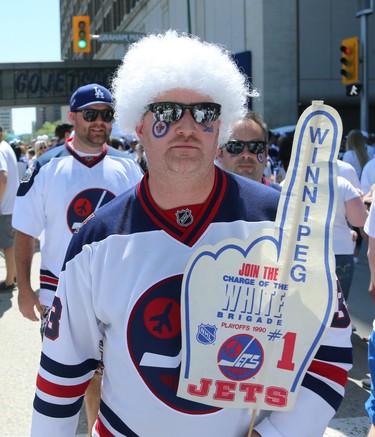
(118, 37)
(51, 83)
(353, 90)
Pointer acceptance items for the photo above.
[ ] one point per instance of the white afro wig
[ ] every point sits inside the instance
(159, 63)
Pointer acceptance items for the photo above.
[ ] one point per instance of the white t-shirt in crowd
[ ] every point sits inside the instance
(8, 163)
(351, 157)
(368, 175)
(347, 171)
(369, 227)
(343, 243)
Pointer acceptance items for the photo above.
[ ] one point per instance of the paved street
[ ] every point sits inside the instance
(20, 349)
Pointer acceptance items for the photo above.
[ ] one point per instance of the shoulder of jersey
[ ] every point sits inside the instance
(112, 152)
(108, 220)
(256, 189)
(56, 152)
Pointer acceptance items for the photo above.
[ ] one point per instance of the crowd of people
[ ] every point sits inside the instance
(118, 226)
(26, 154)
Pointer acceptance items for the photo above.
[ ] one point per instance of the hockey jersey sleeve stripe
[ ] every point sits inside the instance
(59, 390)
(49, 274)
(331, 396)
(330, 371)
(114, 421)
(48, 286)
(48, 280)
(67, 371)
(54, 410)
(335, 354)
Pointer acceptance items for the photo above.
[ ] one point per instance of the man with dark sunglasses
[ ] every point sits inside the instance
(65, 186)
(246, 152)
(124, 269)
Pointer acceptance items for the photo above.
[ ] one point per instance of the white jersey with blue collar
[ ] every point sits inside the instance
(59, 192)
(125, 267)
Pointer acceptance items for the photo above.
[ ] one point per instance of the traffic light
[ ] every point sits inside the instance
(349, 60)
(81, 34)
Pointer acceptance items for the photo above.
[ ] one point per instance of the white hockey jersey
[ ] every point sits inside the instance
(59, 193)
(121, 282)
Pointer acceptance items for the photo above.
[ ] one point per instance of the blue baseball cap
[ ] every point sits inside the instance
(90, 94)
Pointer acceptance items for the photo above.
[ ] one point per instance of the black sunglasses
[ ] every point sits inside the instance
(92, 114)
(171, 112)
(235, 147)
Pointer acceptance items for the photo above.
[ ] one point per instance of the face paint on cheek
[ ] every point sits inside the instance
(260, 157)
(160, 129)
(208, 128)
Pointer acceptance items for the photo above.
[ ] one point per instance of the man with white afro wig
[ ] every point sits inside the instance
(159, 63)
(122, 276)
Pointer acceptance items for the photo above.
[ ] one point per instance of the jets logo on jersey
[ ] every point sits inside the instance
(162, 316)
(240, 357)
(84, 204)
(156, 319)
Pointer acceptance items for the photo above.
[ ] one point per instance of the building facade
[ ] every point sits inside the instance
(47, 113)
(294, 45)
(6, 120)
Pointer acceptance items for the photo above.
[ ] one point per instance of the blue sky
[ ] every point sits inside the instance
(29, 32)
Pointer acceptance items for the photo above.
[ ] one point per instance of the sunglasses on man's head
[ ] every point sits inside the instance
(92, 114)
(235, 147)
(171, 112)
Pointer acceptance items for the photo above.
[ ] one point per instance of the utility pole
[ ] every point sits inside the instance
(365, 8)
(189, 17)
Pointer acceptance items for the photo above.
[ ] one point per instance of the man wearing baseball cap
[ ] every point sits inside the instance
(65, 186)
(90, 95)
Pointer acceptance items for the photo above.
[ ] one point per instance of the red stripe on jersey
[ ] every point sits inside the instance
(48, 280)
(193, 232)
(83, 159)
(101, 429)
(62, 391)
(330, 371)
(214, 202)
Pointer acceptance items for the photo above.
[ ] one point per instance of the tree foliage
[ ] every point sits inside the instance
(48, 128)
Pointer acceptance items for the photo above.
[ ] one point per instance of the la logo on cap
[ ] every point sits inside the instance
(98, 93)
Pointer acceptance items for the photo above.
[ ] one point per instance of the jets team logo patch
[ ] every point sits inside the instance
(84, 204)
(240, 357)
(160, 315)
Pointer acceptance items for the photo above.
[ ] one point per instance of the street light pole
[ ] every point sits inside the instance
(189, 17)
(365, 8)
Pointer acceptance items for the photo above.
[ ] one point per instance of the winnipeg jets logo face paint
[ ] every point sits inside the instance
(160, 129)
(261, 157)
(208, 128)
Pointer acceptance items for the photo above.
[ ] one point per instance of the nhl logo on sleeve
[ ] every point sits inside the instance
(27, 175)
